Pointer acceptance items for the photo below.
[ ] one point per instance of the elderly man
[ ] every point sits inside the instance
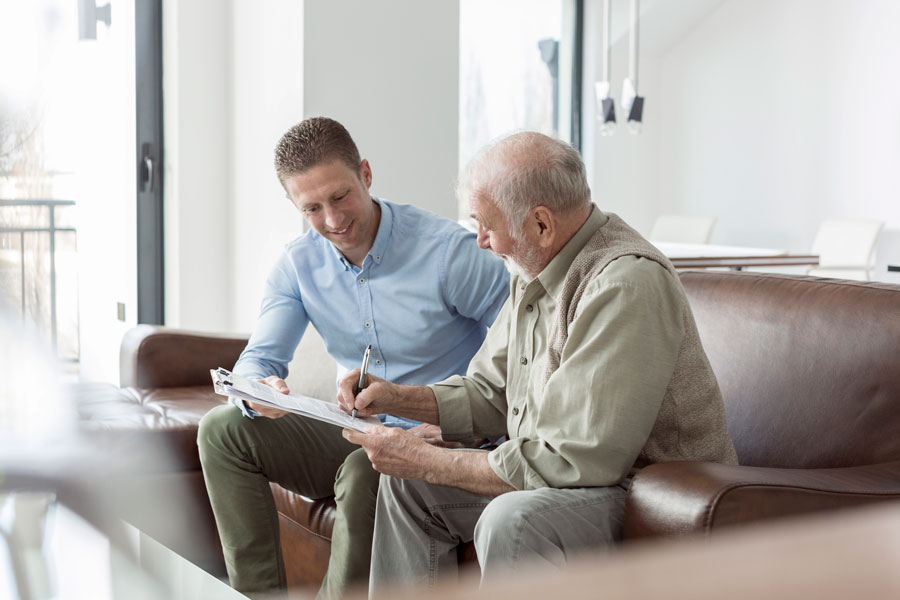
(414, 286)
(594, 368)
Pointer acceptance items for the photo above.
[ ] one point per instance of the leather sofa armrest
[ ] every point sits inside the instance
(669, 499)
(158, 357)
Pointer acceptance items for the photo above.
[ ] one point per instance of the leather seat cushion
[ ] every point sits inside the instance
(156, 429)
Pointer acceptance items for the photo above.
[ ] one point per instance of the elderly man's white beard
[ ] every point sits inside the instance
(515, 269)
(529, 257)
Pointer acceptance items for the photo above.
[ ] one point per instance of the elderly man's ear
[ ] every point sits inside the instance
(544, 226)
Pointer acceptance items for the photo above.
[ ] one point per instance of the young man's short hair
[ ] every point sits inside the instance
(314, 142)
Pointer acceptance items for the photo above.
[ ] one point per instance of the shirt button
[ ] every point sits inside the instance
(529, 308)
(368, 324)
(377, 258)
(516, 410)
(362, 280)
(377, 361)
(523, 361)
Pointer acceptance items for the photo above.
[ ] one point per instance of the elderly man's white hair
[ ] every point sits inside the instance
(524, 170)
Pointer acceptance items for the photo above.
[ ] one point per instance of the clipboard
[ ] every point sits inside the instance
(233, 385)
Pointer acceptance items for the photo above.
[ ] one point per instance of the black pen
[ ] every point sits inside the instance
(362, 374)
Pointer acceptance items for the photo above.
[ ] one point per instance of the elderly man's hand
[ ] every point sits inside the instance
(395, 452)
(432, 434)
(377, 397)
(277, 384)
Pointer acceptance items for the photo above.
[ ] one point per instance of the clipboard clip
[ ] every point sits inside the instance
(224, 376)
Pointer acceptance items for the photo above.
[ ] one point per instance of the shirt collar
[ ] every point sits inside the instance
(379, 246)
(554, 274)
(382, 238)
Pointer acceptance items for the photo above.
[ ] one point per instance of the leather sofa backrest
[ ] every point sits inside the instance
(809, 368)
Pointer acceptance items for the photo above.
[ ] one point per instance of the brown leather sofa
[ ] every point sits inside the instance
(810, 373)
(809, 369)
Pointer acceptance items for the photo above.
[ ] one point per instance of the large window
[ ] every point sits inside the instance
(520, 64)
(76, 239)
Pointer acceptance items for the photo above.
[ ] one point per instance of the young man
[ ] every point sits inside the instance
(413, 285)
(594, 368)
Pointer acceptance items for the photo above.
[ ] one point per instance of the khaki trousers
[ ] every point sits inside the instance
(240, 456)
(418, 527)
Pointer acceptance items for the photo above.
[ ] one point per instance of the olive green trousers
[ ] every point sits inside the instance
(240, 456)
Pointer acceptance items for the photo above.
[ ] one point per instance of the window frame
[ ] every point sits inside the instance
(149, 192)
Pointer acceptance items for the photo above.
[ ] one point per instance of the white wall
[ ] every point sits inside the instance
(238, 73)
(625, 167)
(389, 71)
(773, 115)
(266, 92)
(197, 138)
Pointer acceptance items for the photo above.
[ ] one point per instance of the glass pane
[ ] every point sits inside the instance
(37, 282)
(11, 273)
(24, 216)
(67, 133)
(64, 216)
(515, 70)
(66, 296)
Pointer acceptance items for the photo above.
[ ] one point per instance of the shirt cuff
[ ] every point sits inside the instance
(454, 411)
(509, 464)
(245, 410)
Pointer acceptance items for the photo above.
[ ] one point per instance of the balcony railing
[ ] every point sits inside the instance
(38, 273)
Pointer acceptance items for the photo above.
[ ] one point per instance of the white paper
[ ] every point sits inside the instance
(227, 383)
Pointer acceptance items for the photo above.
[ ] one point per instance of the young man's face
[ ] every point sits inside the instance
(335, 201)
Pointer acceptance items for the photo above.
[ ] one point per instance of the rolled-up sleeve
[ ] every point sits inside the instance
(599, 407)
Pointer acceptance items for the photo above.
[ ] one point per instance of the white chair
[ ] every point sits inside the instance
(682, 229)
(846, 248)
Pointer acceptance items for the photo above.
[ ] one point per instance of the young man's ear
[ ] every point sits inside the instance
(365, 173)
(543, 225)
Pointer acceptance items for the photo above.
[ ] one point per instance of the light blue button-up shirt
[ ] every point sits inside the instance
(423, 299)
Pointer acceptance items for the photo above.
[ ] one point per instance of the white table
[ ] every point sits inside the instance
(696, 256)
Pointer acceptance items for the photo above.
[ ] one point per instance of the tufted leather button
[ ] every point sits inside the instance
(523, 361)
(528, 308)
(516, 410)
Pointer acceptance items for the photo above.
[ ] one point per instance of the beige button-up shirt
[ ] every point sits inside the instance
(587, 425)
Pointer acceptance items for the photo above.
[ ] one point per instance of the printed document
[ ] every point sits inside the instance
(227, 383)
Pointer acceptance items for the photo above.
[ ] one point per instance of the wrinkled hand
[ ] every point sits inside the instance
(395, 452)
(432, 434)
(375, 398)
(277, 384)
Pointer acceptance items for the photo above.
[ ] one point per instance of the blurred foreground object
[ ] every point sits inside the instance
(853, 554)
(64, 490)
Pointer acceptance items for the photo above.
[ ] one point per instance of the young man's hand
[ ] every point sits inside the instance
(277, 384)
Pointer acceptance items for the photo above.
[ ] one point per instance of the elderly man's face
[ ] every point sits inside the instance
(521, 256)
(493, 230)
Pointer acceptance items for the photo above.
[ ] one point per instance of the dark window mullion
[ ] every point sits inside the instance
(148, 75)
(577, 73)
